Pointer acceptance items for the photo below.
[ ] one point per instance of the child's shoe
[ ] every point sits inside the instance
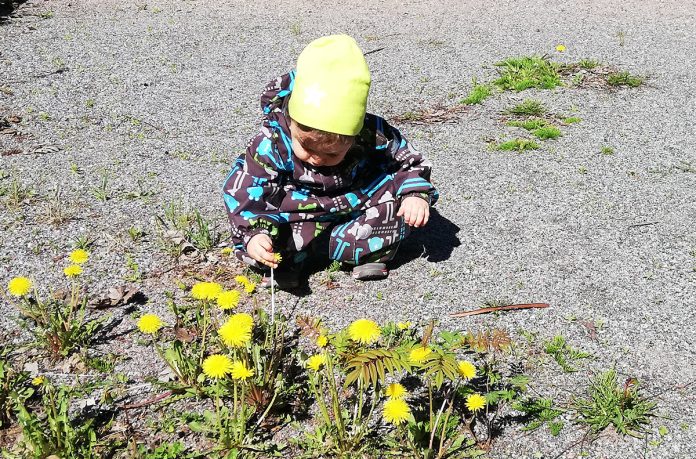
(370, 271)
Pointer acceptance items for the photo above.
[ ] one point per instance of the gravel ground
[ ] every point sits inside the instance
(164, 95)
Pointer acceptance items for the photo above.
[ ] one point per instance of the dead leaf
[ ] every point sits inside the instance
(11, 152)
(116, 296)
(186, 335)
(591, 329)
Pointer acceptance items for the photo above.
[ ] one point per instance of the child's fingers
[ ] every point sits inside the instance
(426, 216)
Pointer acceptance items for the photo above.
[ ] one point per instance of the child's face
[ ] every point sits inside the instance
(309, 151)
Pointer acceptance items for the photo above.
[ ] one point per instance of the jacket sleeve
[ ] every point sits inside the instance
(411, 168)
(252, 192)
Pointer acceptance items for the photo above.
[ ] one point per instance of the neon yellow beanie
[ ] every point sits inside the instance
(331, 85)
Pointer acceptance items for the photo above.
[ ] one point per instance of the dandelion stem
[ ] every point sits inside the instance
(272, 295)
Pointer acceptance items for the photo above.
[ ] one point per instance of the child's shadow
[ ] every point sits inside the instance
(435, 242)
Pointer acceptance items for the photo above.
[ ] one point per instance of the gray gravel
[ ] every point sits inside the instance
(530, 227)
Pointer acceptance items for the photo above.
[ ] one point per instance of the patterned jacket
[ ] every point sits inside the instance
(269, 186)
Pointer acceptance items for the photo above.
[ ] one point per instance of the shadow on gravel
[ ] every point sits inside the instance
(7, 7)
(435, 242)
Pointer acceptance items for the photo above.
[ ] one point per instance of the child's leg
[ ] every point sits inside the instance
(372, 237)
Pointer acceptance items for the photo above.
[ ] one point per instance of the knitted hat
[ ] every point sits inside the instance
(331, 85)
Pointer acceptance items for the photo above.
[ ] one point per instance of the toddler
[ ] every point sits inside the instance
(323, 177)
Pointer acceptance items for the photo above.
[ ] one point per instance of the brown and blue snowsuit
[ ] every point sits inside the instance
(271, 191)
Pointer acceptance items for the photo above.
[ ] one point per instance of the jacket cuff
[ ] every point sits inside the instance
(418, 194)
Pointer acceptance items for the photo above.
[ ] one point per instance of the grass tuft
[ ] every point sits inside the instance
(478, 93)
(621, 406)
(547, 132)
(530, 124)
(624, 79)
(572, 120)
(520, 73)
(530, 107)
(518, 145)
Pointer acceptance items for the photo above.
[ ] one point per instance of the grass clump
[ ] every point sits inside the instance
(520, 73)
(608, 403)
(518, 145)
(478, 93)
(572, 120)
(588, 64)
(547, 132)
(530, 124)
(529, 107)
(624, 79)
(607, 151)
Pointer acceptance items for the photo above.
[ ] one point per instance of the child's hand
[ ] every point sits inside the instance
(260, 248)
(415, 210)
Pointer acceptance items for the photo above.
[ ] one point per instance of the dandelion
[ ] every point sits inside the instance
(37, 381)
(236, 332)
(316, 361)
(19, 286)
(277, 257)
(364, 331)
(150, 324)
(228, 299)
(322, 341)
(418, 354)
(227, 251)
(73, 271)
(217, 366)
(396, 411)
(475, 402)
(404, 325)
(79, 256)
(244, 281)
(560, 48)
(395, 391)
(466, 369)
(240, 371)
(206, 290)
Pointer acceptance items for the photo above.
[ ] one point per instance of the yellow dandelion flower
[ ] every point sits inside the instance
(364, 331)
(418, 354)
(150, 324)
(475, 402)
(79, 256)
(228, 299)
(243, 319)
(316, 361)
(73, 271)
(277, 257)
(206, 290)
(560, 48)
(250, 287)
(240, 371)
(227, 251)
(19, 286)
(396, 391)
(217, 366)
(242, 280)
(38, 381)
(466, 369)
(404, 325)
(396, 411)
(236, 332)
(322, 341)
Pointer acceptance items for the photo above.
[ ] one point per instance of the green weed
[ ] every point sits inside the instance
(477, 94)
(523, 73)
(518, 145)
(624, 79)
(588, 64)
(572, 120)
(547, 132)
(607, 151)
(608, 403)
(564, 354)
(529, 107)
(529, 124)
